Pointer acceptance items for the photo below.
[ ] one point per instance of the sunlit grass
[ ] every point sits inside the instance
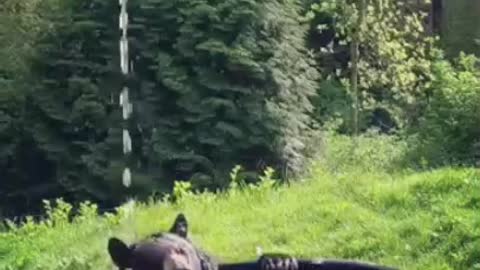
(413, 221)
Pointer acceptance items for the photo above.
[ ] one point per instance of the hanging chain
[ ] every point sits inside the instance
(124, 99)
(126, 107)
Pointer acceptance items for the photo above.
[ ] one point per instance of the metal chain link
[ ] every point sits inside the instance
(124, 98)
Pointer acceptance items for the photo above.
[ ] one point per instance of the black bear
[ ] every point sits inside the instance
(174, 251)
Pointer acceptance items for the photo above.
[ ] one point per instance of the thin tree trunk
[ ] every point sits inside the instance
(354, 74)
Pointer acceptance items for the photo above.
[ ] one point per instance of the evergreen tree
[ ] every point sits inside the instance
(228, 82)
(25, 172)
(73, 114)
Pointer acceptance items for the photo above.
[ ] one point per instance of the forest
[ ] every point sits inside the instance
(352, 111)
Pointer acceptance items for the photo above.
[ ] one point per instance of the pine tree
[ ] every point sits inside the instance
(73, 105)
(227, 81)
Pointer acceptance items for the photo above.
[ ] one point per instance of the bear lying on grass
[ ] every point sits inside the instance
(174, 251)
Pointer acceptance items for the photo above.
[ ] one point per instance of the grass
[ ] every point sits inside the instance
(414, 221)
(427, 220)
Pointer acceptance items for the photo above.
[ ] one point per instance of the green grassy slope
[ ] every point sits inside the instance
(414, 221)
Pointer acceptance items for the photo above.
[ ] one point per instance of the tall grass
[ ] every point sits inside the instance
(369, 152)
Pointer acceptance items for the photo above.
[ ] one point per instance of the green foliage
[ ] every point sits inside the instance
(460, 31)
(449, 131)
(413, 221)
(70, 116)
(215, 84)
(48, 244)
(369, 152)
(181, 189)
(226, 82)
(394, 60)
(333, 106)
(239, 184)
(22, 25)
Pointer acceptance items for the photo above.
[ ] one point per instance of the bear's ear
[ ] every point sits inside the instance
(119, 252)
(180, 226)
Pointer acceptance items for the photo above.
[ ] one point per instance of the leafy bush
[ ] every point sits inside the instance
(57, 242)
(395, 54)
(369, 152)
(450, 130)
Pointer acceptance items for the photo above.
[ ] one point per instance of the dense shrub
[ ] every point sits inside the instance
(450, 130)
(368, 152)
(395, 53)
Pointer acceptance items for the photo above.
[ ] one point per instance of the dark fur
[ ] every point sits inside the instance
(180, 226)
(150, 254)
